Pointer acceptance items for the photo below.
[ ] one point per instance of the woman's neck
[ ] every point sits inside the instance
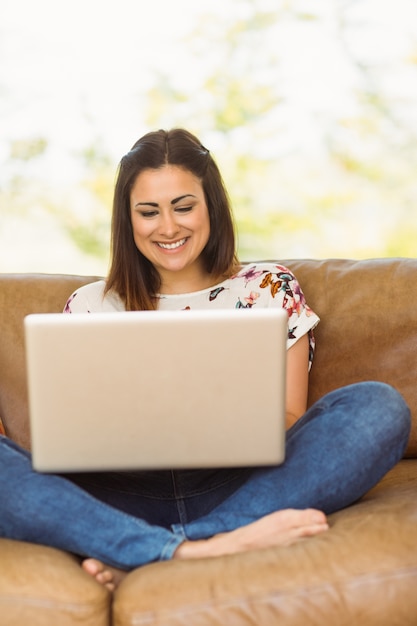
(178, 284)
(192, 279)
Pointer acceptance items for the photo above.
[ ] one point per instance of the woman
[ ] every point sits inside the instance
(173, 247)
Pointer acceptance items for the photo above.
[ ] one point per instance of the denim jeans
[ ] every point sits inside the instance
(340, 448)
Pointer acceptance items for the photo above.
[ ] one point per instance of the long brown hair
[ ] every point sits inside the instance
(131, 275)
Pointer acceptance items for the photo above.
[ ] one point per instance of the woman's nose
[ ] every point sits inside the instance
(168, 226)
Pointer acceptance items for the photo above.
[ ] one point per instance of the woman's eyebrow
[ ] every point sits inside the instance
(187, 195)
(174, 201)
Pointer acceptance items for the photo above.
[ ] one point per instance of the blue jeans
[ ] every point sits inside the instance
(340, 448)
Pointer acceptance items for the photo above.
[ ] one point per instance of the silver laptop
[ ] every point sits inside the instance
(156, 389)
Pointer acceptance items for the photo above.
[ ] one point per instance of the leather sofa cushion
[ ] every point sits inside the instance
(41, 586)
(363, 571)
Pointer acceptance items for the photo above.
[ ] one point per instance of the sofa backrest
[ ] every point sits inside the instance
(368, 328)
(21, 294)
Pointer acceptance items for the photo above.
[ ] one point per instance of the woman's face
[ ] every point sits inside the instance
(171, 226)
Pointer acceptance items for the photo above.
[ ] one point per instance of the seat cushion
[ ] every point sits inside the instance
(42, 586)
(362, 571)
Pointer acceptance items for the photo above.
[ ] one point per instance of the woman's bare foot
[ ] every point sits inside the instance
(109, 577)
(281, 528)
(277, 529)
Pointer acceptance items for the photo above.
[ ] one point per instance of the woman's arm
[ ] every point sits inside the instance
(297, 380)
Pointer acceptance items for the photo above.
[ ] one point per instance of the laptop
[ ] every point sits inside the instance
(156, 389)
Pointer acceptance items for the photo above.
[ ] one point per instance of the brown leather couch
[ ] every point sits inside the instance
(363, 571)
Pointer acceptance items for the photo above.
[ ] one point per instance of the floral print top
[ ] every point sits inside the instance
(255, 285)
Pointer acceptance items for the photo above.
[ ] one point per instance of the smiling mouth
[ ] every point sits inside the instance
(172, 246)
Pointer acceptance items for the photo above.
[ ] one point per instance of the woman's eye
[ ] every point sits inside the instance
(148, 213)
(183, 209)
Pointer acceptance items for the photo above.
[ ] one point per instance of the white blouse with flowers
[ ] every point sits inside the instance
(255, 285)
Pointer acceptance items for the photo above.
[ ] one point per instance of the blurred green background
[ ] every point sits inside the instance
(309, 107)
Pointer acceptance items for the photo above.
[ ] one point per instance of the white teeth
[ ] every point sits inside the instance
(172, 246)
